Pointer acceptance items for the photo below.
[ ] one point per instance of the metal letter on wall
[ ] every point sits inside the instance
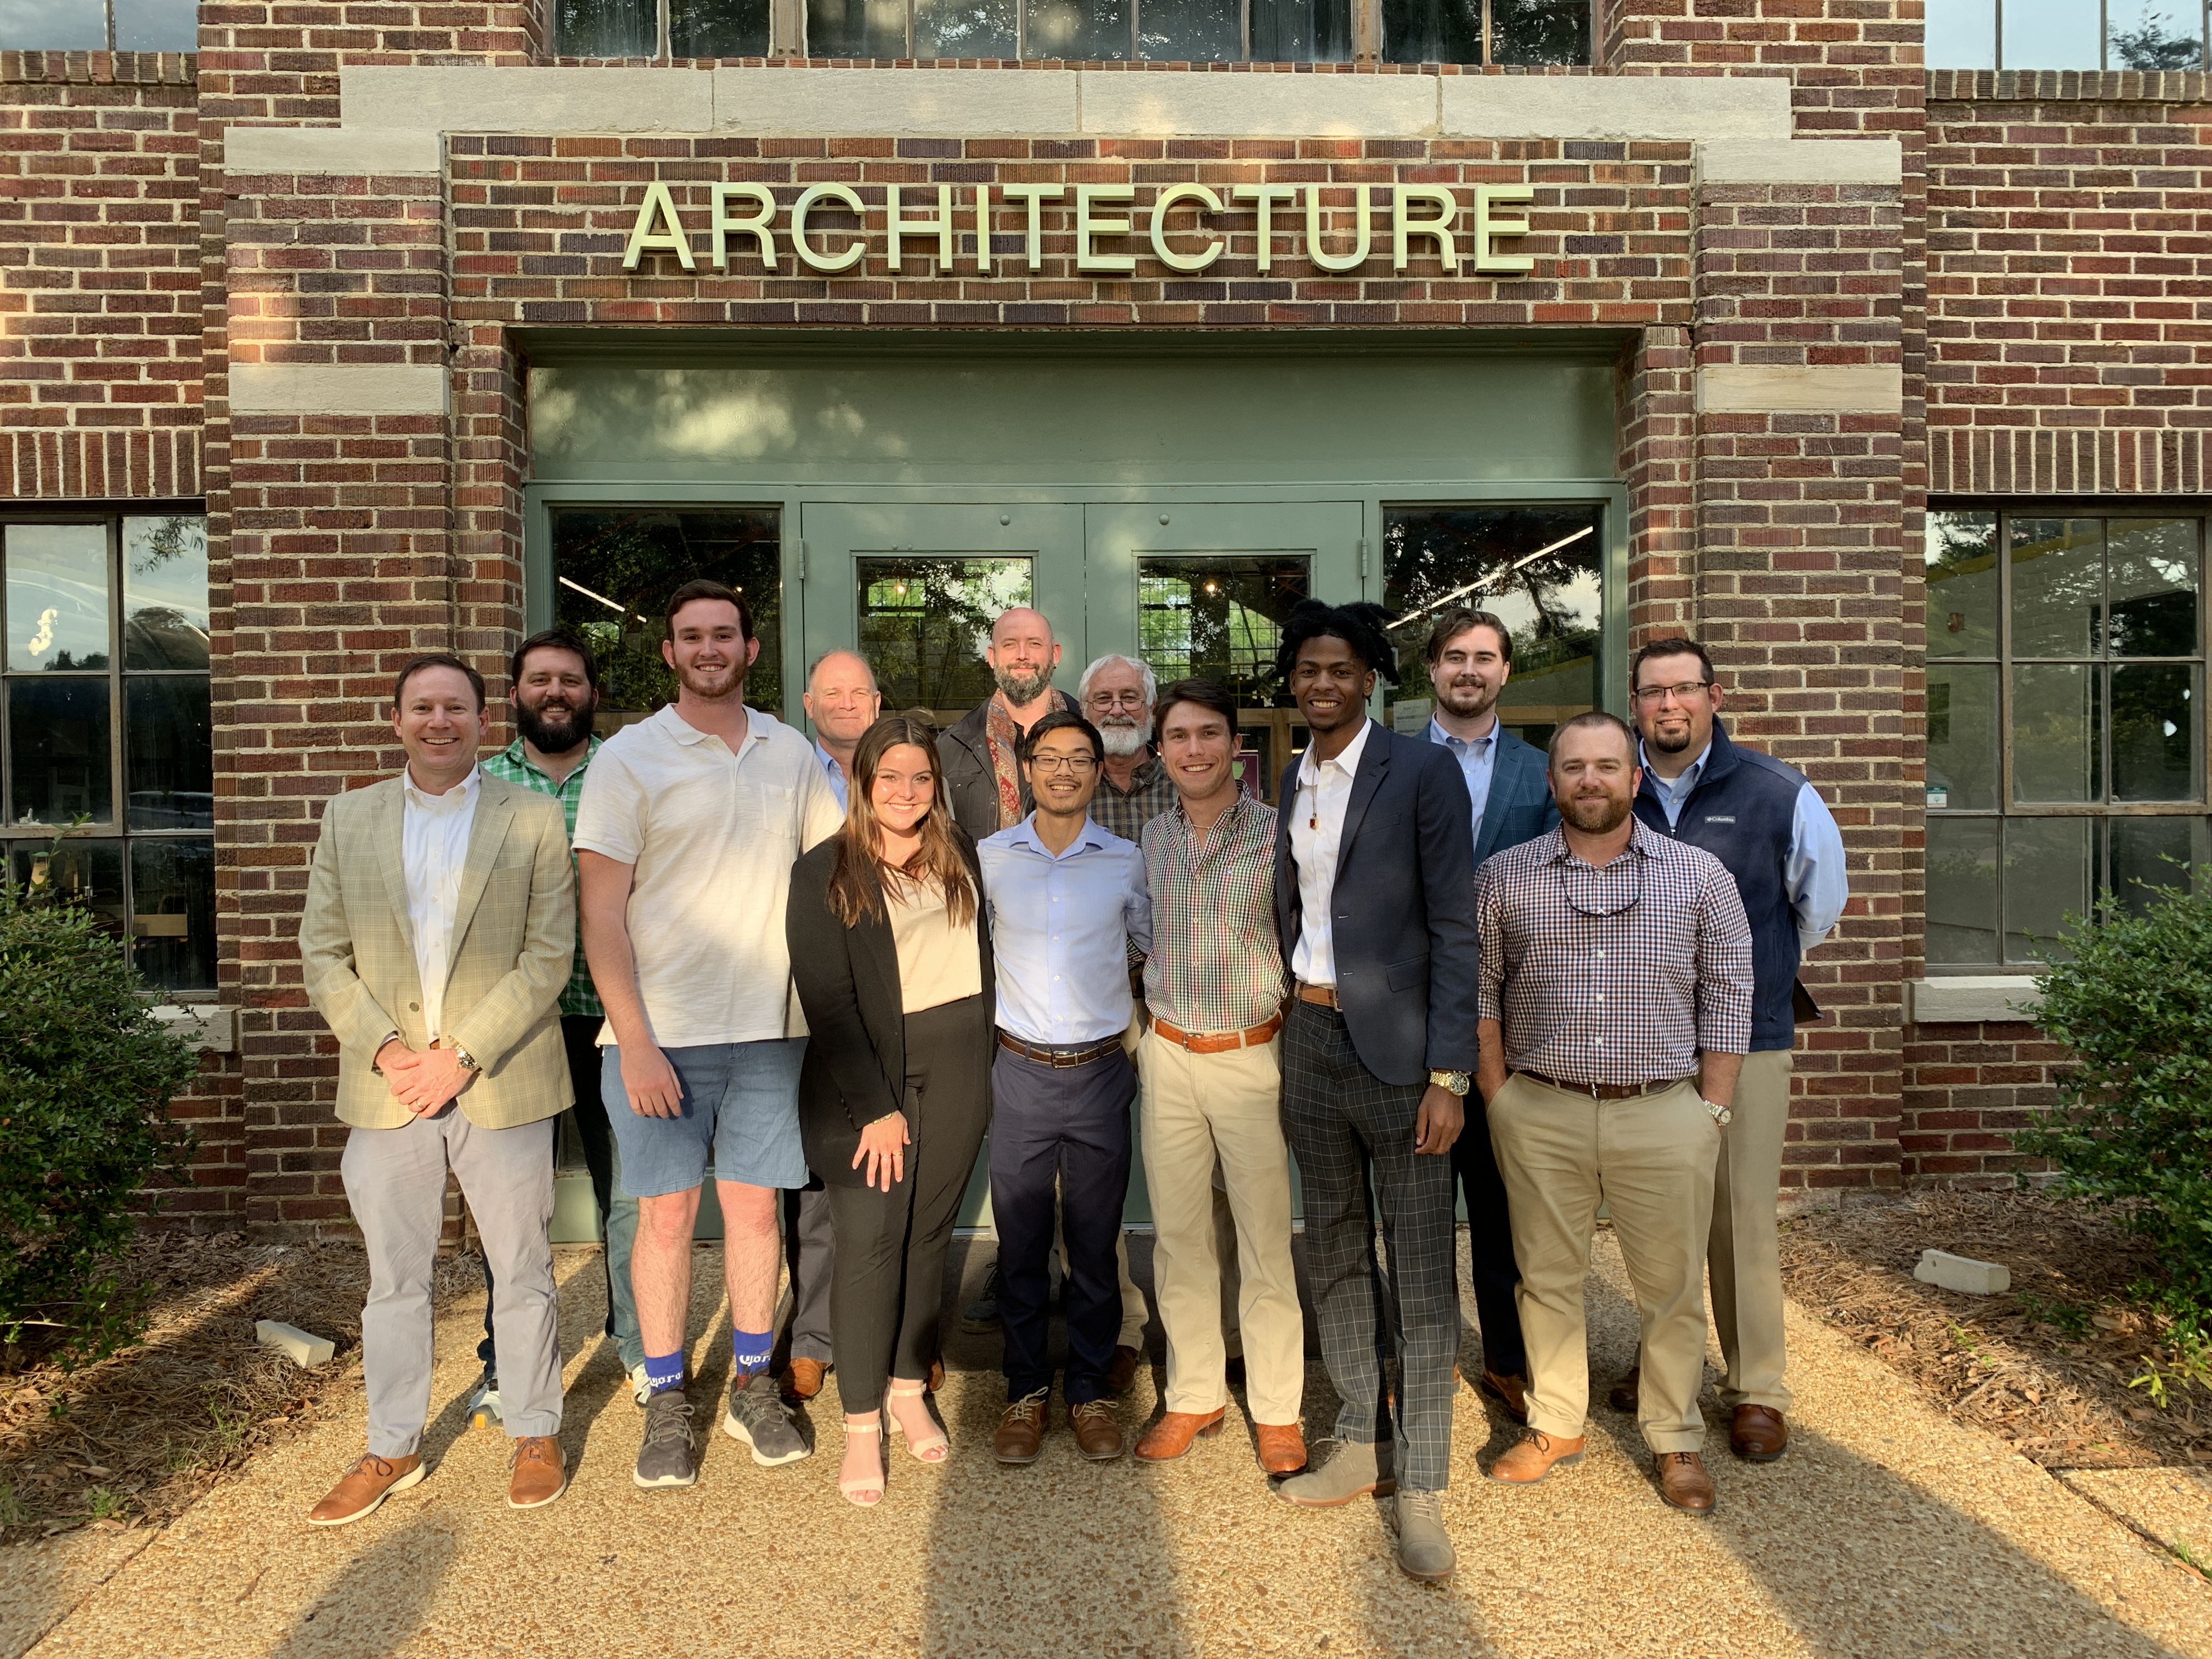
(1487, 226)
(1358, 257)
(763, 201)
(1263, 198)
(658, 207)
(1087, 257)
(1160, 204)
(1404, 226)
(805, 204)
(1036, 196)
(897, 228)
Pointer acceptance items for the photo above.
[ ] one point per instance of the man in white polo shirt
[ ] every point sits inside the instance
(685, 838)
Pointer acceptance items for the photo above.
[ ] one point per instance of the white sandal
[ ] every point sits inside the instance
(851, 1489)
(934, 1440)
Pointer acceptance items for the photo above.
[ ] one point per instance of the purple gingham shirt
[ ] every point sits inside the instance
(1618, 976)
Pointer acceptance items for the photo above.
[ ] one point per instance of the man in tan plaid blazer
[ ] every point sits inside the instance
(440, 926)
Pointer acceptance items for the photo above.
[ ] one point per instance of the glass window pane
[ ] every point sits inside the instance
(1085, 31)
(87, 871)
(606, 28)
(1962, 737)
(962, 28)
(1962, 34)
(168, 754)
(614, 567)
(2152, 583)
(56, 596)
(165, 592)
(925, 621)
(1220, 617)
(2050, 35)
(723, 28)
(1191, 31)
(1961, 555)
(52, 26)
(157, 25)
(2046, 879)
(2055, 732)
(2151, 852)
(173, 912)
(1432, 31)
(58, 737)
(1540, 31)
(1962, 890)
(1301, 31)
(2153, 34)
(2158, 751)
(859, 28)
(2058, 587)
(1536, 569)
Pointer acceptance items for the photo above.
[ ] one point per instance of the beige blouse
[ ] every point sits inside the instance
(938, 962)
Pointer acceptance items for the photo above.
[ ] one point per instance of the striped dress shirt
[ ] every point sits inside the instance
(1216, 964)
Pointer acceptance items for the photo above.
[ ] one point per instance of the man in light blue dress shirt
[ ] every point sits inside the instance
(1067, 900)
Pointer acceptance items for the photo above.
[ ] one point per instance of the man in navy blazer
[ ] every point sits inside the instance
(1374, 902)
(1470, 655)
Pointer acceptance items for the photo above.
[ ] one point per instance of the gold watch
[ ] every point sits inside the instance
(1455, 1081)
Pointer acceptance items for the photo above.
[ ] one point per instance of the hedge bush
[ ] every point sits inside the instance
(87, 1074)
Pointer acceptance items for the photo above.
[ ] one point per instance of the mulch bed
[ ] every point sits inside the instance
(134, 1439)
(2046, 1367)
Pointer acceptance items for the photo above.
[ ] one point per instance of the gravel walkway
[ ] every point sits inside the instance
(1889, 1530)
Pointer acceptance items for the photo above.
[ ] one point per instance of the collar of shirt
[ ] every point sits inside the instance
(1683, 782)
(1149, 772)
(687, 734)
(462, 794)
(1224, 827)
(1345, 760)
(1487, 741)
(515, 755)
(1090, 838)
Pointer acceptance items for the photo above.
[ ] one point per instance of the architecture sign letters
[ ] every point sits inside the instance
(1182, 226)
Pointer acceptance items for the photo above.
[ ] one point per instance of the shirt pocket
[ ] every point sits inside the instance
(769, 813)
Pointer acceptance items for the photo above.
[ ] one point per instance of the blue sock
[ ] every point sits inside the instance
(664, 1371)
(750, 1349)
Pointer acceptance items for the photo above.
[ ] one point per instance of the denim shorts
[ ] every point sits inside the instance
(740, 1103)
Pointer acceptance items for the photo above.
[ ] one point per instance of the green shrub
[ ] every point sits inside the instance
(87, 1074)
(2133, 1126)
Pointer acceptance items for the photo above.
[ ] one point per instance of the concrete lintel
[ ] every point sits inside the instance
(1803, 161)
(949, 103)
(1189, 104)
(344, 151)
(338, 389)
(1791, 389)
(202, 1024)
(449, 98)
(1683, 107)
(1975, 999)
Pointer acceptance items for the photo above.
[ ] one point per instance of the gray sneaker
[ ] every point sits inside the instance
(756, 1416)
(665, 1459)
(1424, 1550)
(982, 1313)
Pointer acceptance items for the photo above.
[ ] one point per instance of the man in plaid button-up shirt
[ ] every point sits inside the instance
(1615, 1002)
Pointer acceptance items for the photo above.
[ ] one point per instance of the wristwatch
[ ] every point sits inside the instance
(1455, 1081)
(1722, 1115)
(469, 1061)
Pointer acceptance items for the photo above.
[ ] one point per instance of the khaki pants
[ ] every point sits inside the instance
(1198, 1111)
(1650, 1160)
(1743, 1253)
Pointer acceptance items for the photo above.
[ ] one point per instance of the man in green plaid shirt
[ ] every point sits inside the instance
(554, 682)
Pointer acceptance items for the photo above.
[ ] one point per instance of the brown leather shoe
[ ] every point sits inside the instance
(1536, 1456)
(537, 1472)
(1684, 1483)
(936, 1379)
(1622, 1396)
(1097, 1430)
(1510, 1390)
(1122, 1374)
(363, 1487)
(801, 1380)
(1759, 1435)
(1282, 1448)
(1171, 1436)
(1021, 1430)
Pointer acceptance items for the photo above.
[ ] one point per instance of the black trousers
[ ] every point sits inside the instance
(580, 1035)
(1490, 1244)
(1072, 1124)
(887, 1266)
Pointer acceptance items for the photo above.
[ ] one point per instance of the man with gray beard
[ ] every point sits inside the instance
(983, 782)
(1116, 694)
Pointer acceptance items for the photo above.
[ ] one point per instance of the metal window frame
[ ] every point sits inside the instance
(2103, 33)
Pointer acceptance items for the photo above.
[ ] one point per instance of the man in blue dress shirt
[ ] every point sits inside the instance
(1067, 900)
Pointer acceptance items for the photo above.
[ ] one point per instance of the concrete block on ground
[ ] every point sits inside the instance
(1963, 1272)
(305, 1350)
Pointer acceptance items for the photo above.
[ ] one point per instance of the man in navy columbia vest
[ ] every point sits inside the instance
(1470, 654)
(1769, 826)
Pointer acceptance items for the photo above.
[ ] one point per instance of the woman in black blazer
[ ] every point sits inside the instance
(891, 957)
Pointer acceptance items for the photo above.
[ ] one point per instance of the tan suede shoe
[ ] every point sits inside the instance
(1171, 1436)
(363, 1487)
(1536, 1456)
(537, 1472)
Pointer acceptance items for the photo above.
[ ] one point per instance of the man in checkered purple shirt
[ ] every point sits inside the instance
(1615, 1007)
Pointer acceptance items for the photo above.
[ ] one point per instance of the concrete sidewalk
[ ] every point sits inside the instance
(1888, 1530)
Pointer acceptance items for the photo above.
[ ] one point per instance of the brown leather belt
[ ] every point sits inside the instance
(1063, 1059)
(1218, 1043)
(1607, 1090)
(1325, 996)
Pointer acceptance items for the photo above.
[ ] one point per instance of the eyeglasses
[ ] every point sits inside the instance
(1682, 693)
(1077, 764)
(1116, 699)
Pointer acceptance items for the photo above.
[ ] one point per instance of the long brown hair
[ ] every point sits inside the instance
(937, 862)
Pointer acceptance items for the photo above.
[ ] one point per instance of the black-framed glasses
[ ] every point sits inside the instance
(1681, 693)
(1077, 764)
(1592, 892)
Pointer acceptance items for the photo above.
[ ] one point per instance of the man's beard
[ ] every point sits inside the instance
(1483, 699)
(556, 732)
(709, 685)
(1598, 816)
(1123, 738)
(1670, 745)
(1023, 689)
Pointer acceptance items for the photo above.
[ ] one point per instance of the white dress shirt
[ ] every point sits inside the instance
(433, 847)
(1317, 839)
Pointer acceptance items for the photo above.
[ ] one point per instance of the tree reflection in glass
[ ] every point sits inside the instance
(1961, 559)
(924, 623)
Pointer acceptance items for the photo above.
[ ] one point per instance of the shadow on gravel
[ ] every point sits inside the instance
(376, 1603)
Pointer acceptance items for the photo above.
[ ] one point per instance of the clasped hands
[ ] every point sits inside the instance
(422, 1080)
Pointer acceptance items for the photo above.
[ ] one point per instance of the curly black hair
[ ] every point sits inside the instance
(1359, 626)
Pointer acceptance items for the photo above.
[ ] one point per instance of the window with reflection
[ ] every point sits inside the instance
(2066, 34)
(108, 778)
(2065, 722)
(925, 621)
(1093, 31)
(1221, 617)
(1486, 31)
(660, 29)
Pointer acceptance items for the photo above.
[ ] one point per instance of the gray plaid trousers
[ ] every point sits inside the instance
(1340, 1120)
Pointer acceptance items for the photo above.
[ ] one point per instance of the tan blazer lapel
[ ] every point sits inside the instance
(486, 831)
(390, 841)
